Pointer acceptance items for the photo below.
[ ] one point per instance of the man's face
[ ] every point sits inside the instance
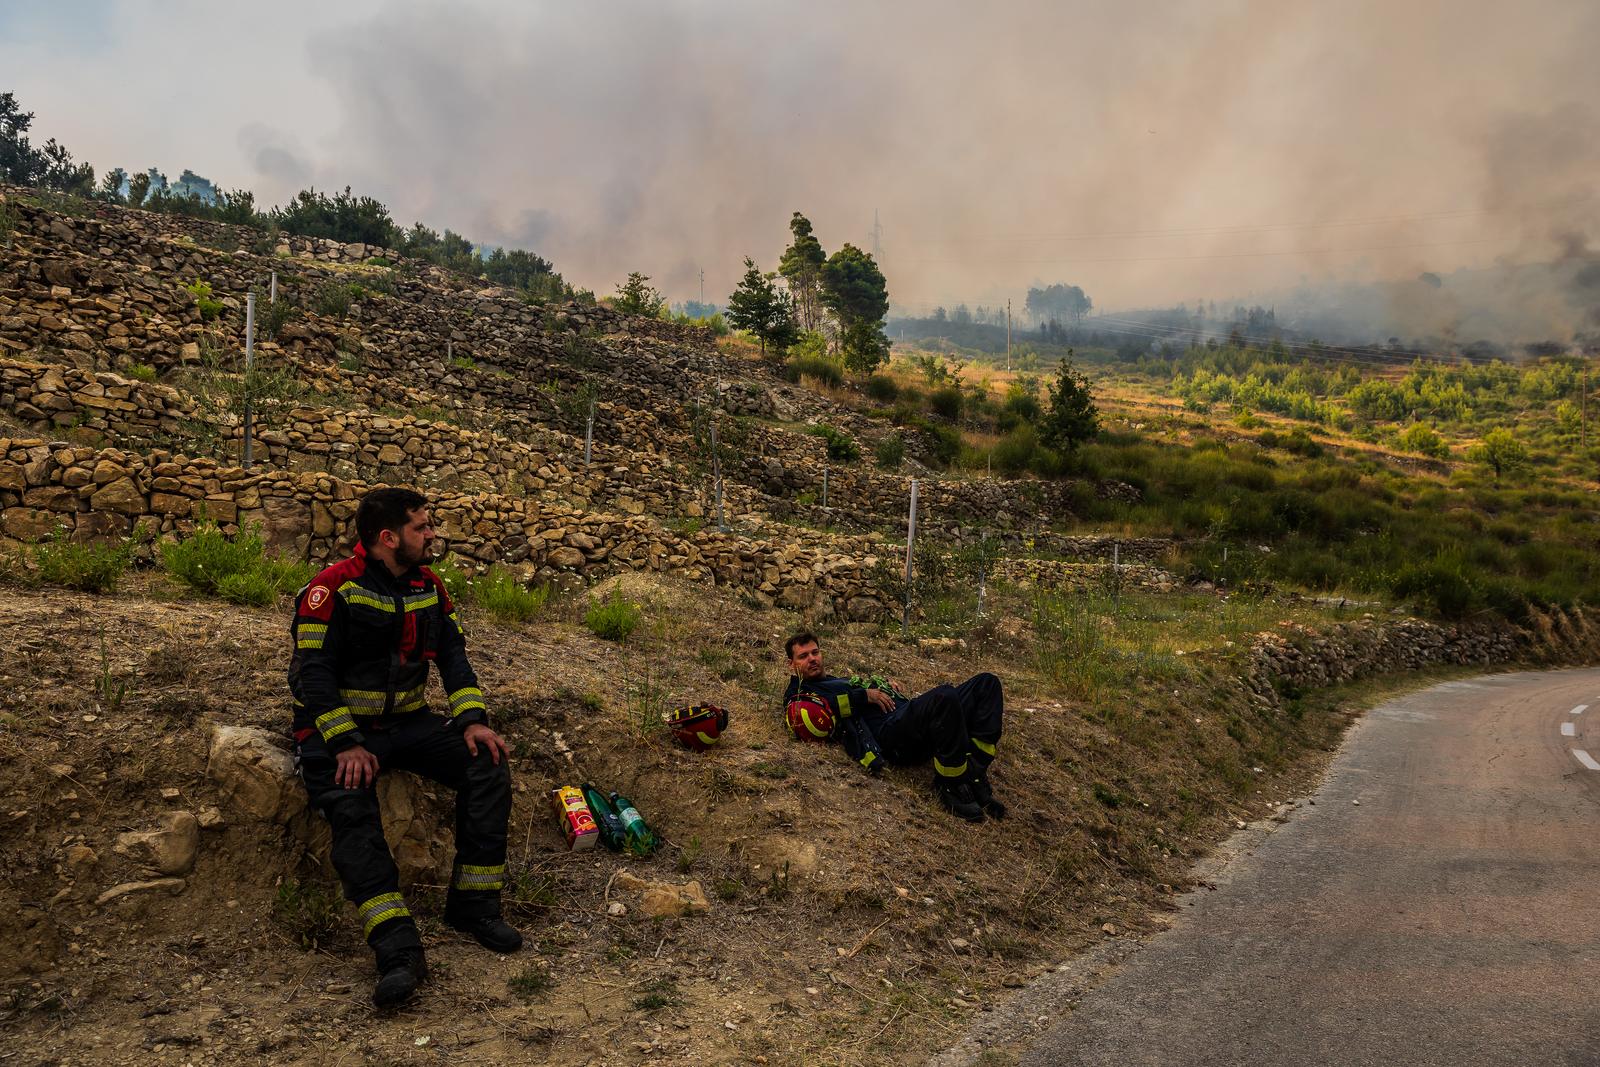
(413, 542)
(806, 660)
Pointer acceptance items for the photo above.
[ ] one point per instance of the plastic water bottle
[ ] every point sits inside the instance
(605, 817)
(641, 842)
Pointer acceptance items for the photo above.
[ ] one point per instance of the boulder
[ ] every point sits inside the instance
(256, 776)
(660, 900)
(171, 849)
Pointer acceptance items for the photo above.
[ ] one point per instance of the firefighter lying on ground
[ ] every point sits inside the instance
(365, 630)
(958, 726)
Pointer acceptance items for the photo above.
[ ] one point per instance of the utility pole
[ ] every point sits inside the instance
(1583, 421)
(1008, 335)
(702, 288)
(877, 236)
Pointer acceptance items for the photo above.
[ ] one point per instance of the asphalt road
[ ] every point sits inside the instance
(1438, 904)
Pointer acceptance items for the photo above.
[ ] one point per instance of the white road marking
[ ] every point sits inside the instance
(1586, 759)
(1579, 710)
(1569, 729)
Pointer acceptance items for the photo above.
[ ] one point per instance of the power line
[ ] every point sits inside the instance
(968, 261)
(1224, 230)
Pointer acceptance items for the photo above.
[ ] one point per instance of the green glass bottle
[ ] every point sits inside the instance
(605, 817)
(641, 842)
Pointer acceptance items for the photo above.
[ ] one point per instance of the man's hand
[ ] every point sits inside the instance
(356, 768)
(881, 700)
(479, 734)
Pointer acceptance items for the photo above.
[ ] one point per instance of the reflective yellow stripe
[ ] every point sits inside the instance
(457, 620)
(867, 760)
(310, 642)
(468, 876)
(844, 706)
(983, 746)
(358, 594)
(381, 908)
(333, 723)
(465, 699)
(418, 601)
(307, 628)
(950, 772)
(372, 701)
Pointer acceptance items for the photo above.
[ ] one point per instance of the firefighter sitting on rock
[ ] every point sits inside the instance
(365, 631)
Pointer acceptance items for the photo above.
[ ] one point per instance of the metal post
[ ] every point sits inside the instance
(716, 473)
(983, 567)
(249, 367)
(911, 539)
(272, 297)
(1116, 555)
(824, 485)
(588, 434)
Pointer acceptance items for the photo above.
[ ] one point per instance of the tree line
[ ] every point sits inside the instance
(344, 216)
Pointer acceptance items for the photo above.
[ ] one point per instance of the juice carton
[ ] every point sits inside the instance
(573, 815)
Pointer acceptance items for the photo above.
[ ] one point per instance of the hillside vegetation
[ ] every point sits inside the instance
(1167, 598)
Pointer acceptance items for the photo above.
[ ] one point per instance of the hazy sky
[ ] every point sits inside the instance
(1148, 152)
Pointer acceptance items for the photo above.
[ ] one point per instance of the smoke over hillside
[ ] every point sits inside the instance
(1149, 153)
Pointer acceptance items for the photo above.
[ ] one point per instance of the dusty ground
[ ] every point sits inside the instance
(851, 920)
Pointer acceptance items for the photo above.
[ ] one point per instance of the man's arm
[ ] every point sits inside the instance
(319, 625)
(466, 706)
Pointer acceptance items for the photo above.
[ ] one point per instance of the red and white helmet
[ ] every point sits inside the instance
(699, 727)
(809, 718)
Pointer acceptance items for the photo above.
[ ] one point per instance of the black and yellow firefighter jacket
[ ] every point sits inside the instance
(363, 640)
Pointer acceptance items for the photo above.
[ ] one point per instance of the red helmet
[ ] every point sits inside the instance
(809, 718)
(699, 727)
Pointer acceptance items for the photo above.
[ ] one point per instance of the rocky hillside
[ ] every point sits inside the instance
(166, 896)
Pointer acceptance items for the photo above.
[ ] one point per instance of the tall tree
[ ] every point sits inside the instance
(20, 162)
(758, 305)
(801, 266)
(854, 289)
(111, 185)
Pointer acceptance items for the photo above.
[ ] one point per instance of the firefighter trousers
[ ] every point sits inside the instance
(957, 725)
(428, 745)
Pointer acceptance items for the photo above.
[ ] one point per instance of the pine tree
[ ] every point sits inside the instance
(759, 306)
(1071, 417)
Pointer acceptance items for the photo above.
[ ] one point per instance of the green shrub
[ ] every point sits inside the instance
(503, 595)
(820, 368)
(457, 582)
(1016, 451)
(946, 402)
(209, 306)
(891, 451)
(882, 387)
(841, 446)
(613, 618)
(141, 372)
(1423, 438)
(272, 316)
(88, 568)
(239, 570)
(312, 913)
(334, 299)
(532, 981)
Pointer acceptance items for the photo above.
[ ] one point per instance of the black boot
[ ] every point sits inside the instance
(983, 793)
(401, 968)
(490, 931)
(956, 796)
